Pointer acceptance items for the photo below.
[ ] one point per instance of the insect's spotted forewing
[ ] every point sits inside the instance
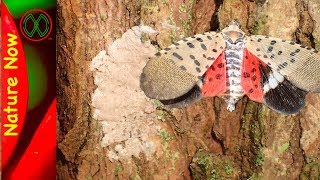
(291, 70)
(299, 64)
(177, 69)
(251, 77)
(214, 81)
(263, 84)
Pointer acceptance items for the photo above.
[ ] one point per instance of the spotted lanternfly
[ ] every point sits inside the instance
(230, 64)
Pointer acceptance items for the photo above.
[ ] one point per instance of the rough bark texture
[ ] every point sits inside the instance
(202, 141)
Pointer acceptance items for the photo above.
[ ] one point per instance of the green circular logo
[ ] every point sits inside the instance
(36, 25)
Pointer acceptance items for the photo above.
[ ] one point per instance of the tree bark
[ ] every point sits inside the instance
(202, 141)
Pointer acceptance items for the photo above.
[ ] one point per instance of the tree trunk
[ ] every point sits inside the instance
(109, 130)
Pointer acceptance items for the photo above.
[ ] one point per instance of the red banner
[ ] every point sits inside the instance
(14, 83)
(41, 152)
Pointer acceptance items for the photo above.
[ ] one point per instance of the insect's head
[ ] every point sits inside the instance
(232, 34)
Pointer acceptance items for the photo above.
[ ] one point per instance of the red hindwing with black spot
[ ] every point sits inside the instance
(251, 76)
(214, 82)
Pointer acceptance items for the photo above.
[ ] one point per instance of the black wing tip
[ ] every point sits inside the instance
(185, 100)
(147, 86)
(285, 98)
(144, 85)
(167, 97)
(287, 110)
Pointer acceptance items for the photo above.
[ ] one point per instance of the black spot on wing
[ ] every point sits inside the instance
(177, 56)
(203, 46)
(270, 48)
(273, 42)
(246, 75)
(197, 62)
(190, 45)
(272, 56)
(285, 64)
(254, 77)
(183, 68)
(218, 76)
(285, 98)
(199, 39)
(220, 65)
